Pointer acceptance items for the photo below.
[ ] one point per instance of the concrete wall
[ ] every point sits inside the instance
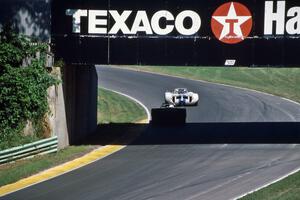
(57, 116)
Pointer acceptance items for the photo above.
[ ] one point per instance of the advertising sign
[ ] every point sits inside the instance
(189, 32)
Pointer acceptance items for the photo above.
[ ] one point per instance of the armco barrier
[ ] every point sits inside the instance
(40, 147)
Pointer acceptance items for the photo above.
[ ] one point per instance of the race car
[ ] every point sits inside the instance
(181, 97)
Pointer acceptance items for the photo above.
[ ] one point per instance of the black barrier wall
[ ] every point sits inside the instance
(189, 32)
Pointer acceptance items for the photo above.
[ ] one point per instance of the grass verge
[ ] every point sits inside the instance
(13, 172)
(283, 82)
(112, 108)
(115, 108)
(287, 189)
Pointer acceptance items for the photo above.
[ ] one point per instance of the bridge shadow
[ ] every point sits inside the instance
(197, 133)
(168, 126)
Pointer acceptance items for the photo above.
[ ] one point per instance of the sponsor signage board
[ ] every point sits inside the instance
(161, 32)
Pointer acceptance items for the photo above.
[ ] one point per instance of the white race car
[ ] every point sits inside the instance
(181, 97)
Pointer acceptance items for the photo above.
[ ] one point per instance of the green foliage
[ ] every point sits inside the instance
(23, 89)
(59, 63)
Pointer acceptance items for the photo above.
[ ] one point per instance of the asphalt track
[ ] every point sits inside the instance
(214, 156)
(217, 103)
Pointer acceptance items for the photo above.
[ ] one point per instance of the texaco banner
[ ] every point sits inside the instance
(189, 32)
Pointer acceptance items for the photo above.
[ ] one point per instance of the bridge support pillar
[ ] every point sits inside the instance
(80, 93)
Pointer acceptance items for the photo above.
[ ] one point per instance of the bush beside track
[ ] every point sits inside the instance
(24, 81)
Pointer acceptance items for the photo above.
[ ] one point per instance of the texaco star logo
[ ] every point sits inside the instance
(231, 23)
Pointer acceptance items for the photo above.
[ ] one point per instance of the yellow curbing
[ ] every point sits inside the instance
(61, 169)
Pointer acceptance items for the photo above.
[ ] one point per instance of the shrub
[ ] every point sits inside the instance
(23, 89)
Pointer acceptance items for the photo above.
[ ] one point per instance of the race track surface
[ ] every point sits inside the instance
(217, 103)
(214, 156)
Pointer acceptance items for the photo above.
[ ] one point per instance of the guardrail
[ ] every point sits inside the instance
(40, 147)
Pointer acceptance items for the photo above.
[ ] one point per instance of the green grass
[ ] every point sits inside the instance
(13, 172)
(283, 82)
(115, 108)
(287, 189)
